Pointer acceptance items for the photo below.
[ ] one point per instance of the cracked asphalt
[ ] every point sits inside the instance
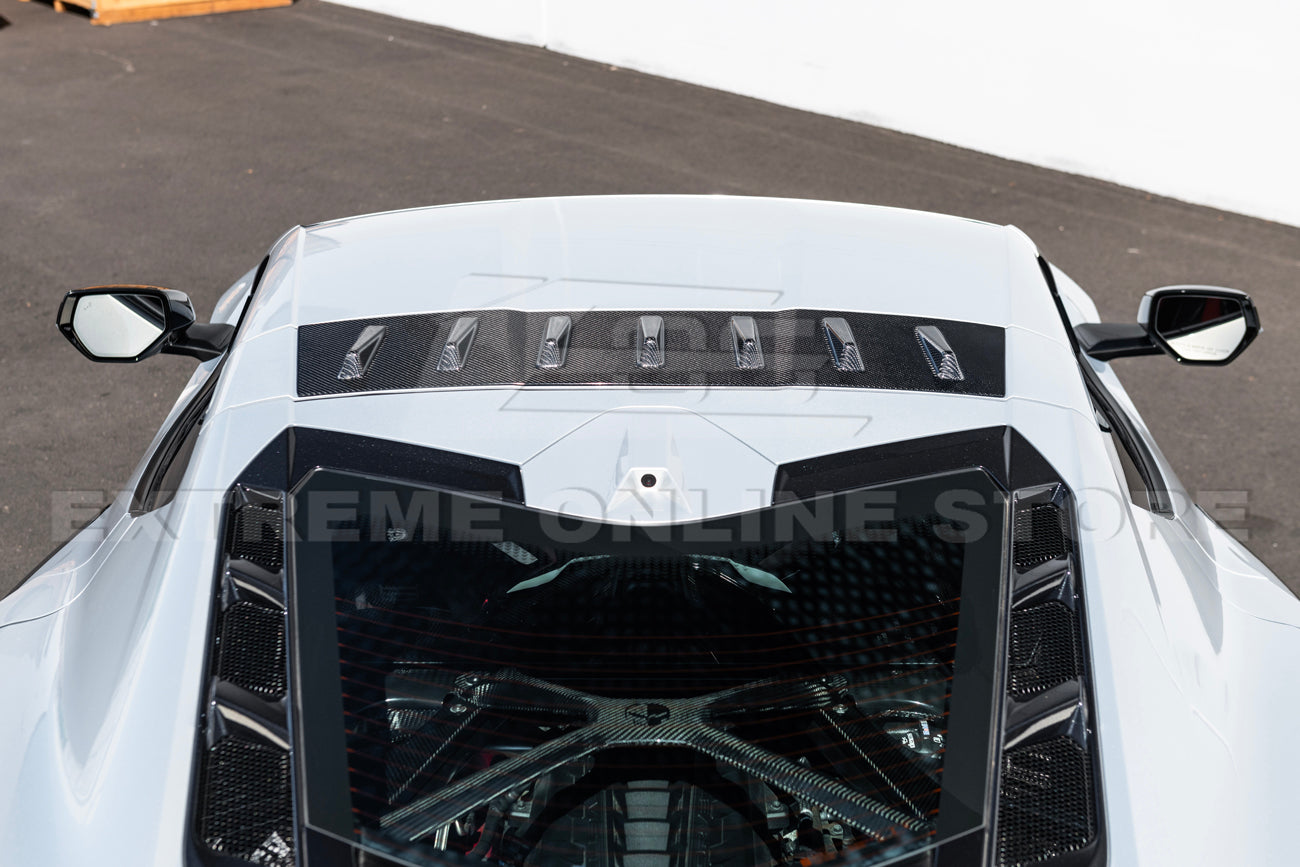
(175, 153)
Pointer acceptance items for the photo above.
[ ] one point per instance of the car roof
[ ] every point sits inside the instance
(667, 252)
(578, 447)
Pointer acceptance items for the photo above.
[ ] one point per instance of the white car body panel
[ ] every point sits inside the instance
(103, 653)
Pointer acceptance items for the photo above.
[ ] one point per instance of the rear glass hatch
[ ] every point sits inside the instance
(476, 679)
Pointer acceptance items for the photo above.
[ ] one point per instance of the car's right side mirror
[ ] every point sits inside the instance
(1199, 324)
(1193, 324)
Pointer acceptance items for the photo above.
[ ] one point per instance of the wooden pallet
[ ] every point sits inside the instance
(115, 11)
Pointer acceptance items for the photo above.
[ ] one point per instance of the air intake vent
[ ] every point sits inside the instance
(459, 342)
(943, 361)
(1040, 535)
(362, 353)
(554, 348)
(746, 343)
(1046, 808)
(650, 342)
(841, 344)
(257, 535)
(244, 806)
(252, 649)
(1044, 648)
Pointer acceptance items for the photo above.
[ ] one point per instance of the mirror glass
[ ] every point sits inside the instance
(1200, 327)
(120, 325)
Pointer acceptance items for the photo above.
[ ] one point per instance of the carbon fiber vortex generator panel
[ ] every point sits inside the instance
(698, 349)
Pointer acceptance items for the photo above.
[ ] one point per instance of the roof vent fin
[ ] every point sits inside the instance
(554, 349)
(943, 361)
(650, 342)
(357, 360)
(746, 343)
(842, 345)
(456, 352)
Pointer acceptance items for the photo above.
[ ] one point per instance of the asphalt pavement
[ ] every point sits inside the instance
(175, 153)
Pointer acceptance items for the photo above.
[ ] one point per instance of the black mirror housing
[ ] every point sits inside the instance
(128, 323)
(1191, 324)
(1199, 324)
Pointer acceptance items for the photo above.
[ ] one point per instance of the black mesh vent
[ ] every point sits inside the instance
(257, 535)
(252, 649)
(1044, 648)
(1040, 535)
(244, 806)
(1046, 805)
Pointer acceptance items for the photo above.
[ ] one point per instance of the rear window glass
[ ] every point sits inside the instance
(782, 686)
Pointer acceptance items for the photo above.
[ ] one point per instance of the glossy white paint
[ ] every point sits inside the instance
(97, 752)
(231, 302)
(67, 572)
(1194, 643)
(683, 252)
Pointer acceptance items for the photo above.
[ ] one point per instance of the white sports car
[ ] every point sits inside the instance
(651, 532)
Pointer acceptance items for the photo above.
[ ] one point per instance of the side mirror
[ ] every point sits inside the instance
(1199, 324)
(1193, 324)
(130, 323)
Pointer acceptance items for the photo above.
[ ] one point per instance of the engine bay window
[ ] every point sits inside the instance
(478, 679)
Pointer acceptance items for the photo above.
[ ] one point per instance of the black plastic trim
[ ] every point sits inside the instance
(1122, 426)
(252, 293)
(1002, 452)
(1106, 340)
(310, 448)
(1066, 709)
(1126, 431)
(204, 341)
(146, 495)
(228, 709)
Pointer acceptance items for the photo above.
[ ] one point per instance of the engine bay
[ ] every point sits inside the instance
(574, 778)
(642, 704)
(596, 739)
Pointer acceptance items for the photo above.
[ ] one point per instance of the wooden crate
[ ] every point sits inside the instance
(113, 11)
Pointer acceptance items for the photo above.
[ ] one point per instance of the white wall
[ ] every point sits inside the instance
(1186, 98)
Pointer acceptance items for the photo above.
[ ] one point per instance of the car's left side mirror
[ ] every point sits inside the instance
(1192, 324)
(130, 323)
